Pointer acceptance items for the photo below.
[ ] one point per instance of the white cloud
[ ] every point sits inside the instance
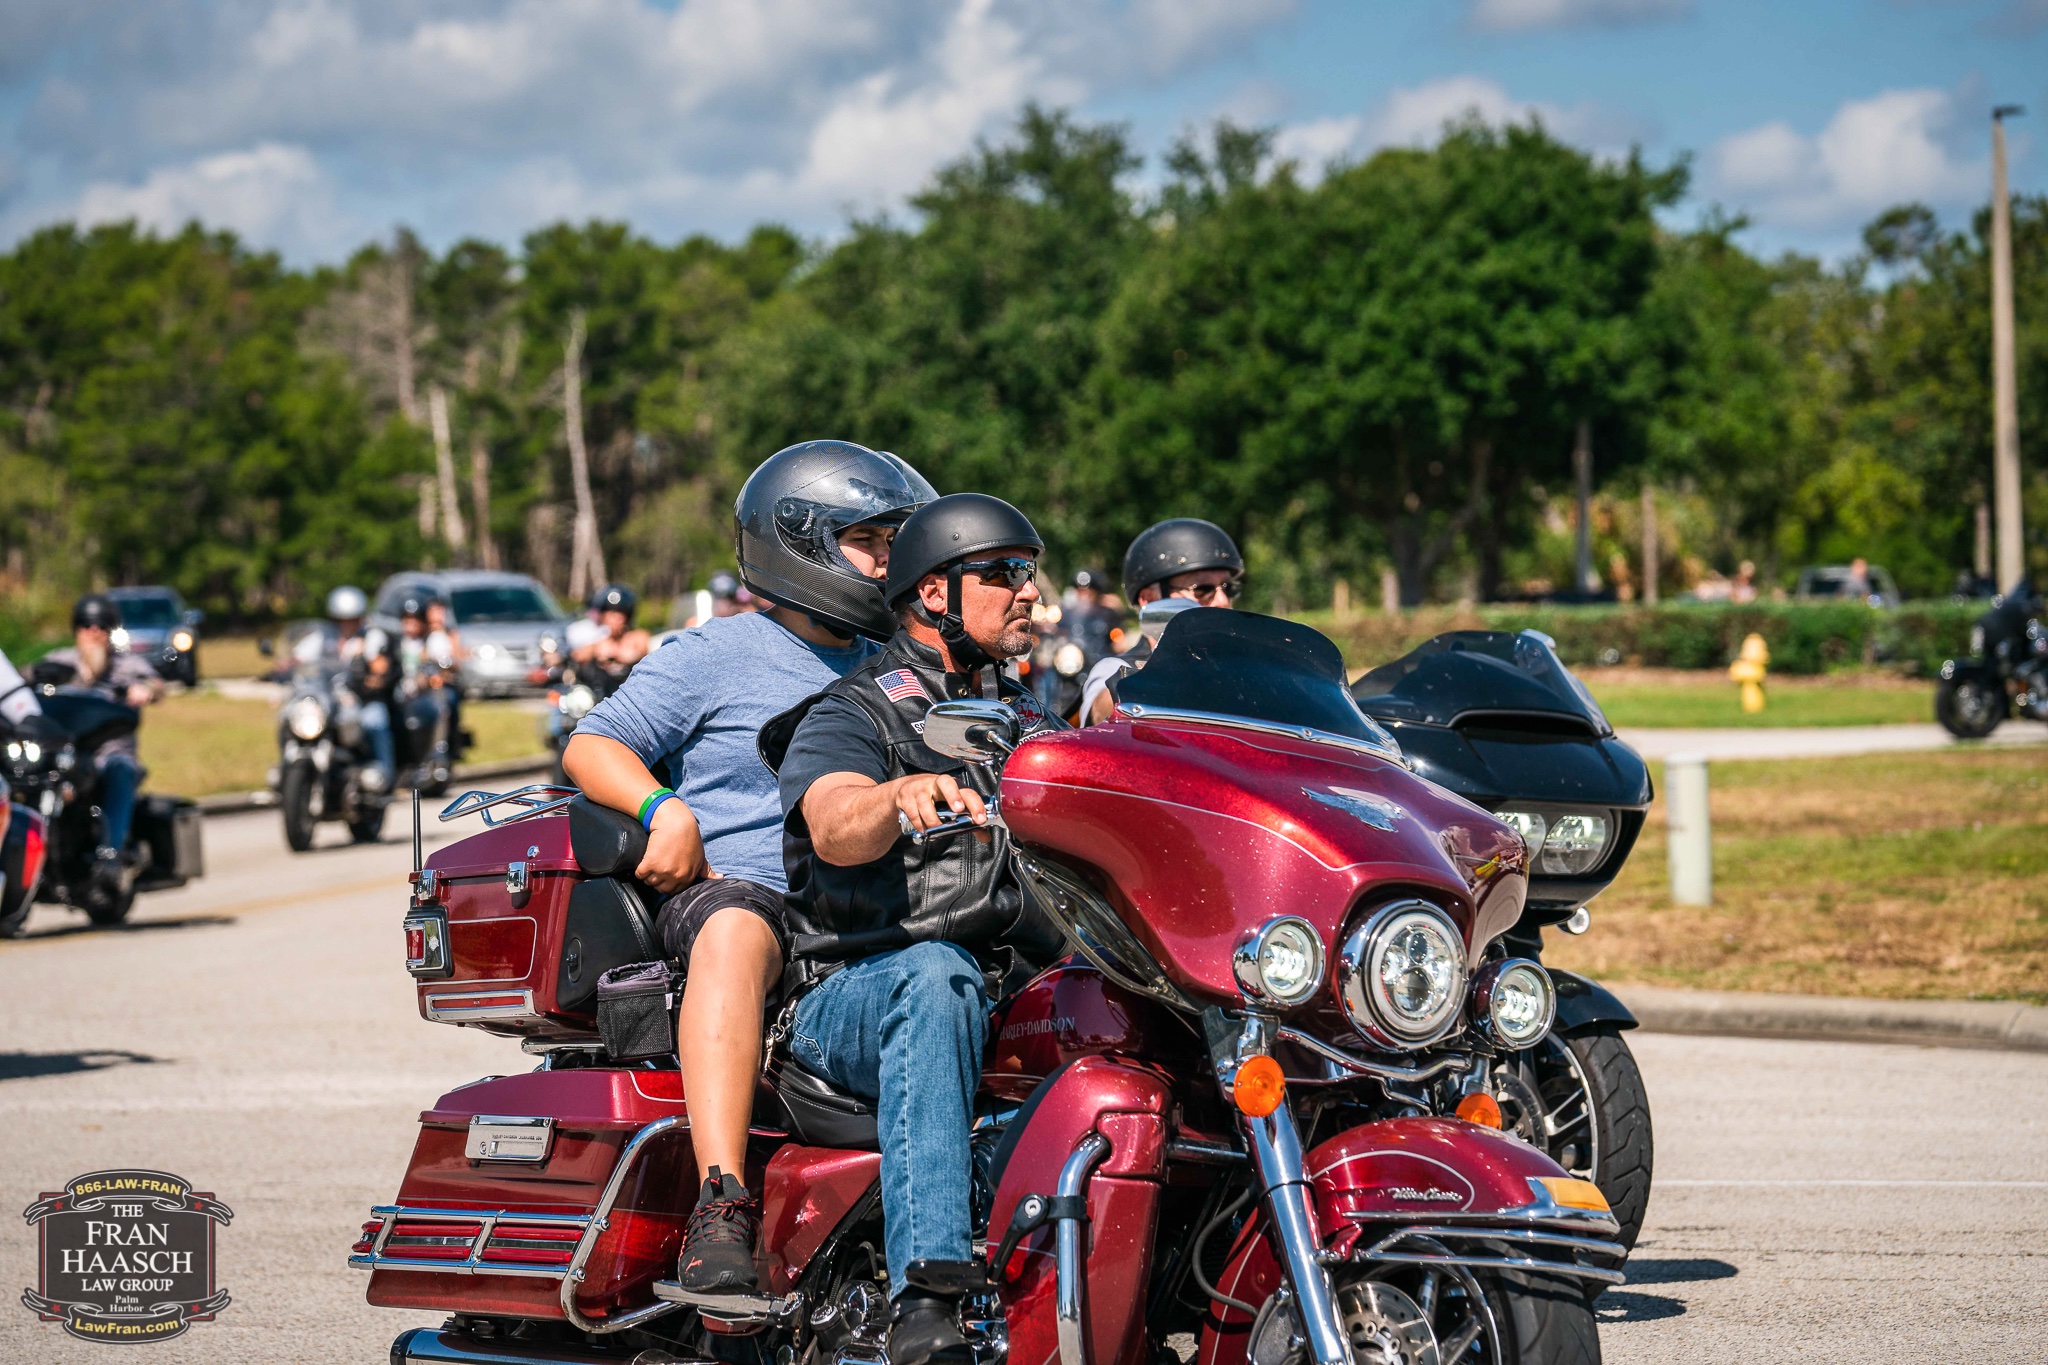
(270, 193)
(1519, 16)
(1415, 117)
(1873, 153)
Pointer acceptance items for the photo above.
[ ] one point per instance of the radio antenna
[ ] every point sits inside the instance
(418, 860)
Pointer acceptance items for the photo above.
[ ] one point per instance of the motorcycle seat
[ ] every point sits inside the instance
(815, 1112)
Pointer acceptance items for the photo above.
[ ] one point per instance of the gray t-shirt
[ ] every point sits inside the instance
(693, 710)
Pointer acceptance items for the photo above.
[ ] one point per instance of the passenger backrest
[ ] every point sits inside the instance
(607, 843)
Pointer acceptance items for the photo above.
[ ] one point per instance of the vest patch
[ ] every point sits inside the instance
(901, 685)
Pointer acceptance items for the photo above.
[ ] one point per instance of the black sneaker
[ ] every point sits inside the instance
(718, 1241)
(925, 1330)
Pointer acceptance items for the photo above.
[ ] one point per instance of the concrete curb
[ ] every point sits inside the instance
(1936, 1023)
(237, 803)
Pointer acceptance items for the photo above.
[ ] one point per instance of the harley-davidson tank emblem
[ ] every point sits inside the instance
(1027, 1028)
(1364, 807)
(126, 1256)
(1432, 1195)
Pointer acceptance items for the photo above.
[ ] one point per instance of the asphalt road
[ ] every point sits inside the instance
(255, 1034)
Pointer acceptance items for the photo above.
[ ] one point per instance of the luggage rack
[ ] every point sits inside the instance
(537, 799)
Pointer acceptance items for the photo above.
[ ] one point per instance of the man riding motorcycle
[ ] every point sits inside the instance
(1184, 557)
(814, 525)
(917, 936)
(613, 653)
(426, 688)
(371, 676)
(92, 664)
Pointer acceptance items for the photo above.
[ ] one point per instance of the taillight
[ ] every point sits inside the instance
(426, 944)
(32, 846)
(637, 1247)
(435, 1241)
(368, 1241)
(541, 1246)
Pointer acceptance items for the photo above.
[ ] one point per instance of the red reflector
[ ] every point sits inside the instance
(415, 944)
(368, 1241)
(432, 1241)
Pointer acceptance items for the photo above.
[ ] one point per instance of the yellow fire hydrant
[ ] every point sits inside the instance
(1748, 669)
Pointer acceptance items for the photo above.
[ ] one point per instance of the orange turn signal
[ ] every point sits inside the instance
(1480, 1108)
(1258, 1087)
(1573, 1193)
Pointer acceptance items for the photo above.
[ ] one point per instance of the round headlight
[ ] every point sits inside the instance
(1402, 971)
(1282, 962)
(1068, 659)
(1514, 1002)
(182, 641)
(1574, 845)
(306, 717)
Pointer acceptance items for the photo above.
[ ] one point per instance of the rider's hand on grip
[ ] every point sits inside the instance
(929, 799)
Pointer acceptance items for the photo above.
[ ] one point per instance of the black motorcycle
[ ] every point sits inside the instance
(1499, 719)
(2007, 670)
(326, 769)
(49, 765)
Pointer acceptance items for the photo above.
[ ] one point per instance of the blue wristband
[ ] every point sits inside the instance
(654, 804)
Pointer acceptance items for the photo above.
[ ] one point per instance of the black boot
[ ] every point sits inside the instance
(718, 1241)
(924, 1329)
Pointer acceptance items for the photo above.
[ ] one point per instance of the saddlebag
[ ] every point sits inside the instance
(169, 827)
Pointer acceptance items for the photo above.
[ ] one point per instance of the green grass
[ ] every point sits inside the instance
(201, 743)
(1896, 875)
(1690, 700)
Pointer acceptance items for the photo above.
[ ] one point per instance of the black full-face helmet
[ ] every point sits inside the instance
(1171, 548)
(95, 609)
(787, 524)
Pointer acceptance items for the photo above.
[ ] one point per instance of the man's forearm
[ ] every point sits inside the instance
(852, 819)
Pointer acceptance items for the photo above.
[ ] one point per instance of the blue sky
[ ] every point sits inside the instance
(313, 125)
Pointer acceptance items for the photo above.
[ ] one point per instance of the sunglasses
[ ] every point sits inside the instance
(1203, 592)
(1012, 572)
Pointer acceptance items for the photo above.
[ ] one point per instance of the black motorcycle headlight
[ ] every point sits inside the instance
(1562, 842)
(306, 717)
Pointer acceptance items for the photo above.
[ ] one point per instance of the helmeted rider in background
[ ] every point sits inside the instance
(814, 525)
(372, 674)
(425, 690)
(925, 933)
(96, 665)
(621, 646)
(1184, 557)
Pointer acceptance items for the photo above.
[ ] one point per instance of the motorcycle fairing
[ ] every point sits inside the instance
(1190, 822)
(1584, 1004)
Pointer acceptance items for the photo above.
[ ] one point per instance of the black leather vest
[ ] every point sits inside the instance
(957, 889)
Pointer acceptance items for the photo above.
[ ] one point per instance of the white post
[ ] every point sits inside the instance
(2005, 409)
(1692, 837)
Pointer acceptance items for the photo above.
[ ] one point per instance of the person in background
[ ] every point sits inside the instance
(1744, 587)
(814, 527)
(621, 646)
(94, 664)
(1185, 557)
(372, 675)
(425, 690)
(725, 596)
(1857, 584)
(444, 641)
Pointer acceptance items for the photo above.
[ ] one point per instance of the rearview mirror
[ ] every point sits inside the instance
(974, 728)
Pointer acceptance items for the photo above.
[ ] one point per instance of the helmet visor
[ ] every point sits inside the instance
(810, 519)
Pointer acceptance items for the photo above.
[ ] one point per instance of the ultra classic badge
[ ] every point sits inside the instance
(126, 1256)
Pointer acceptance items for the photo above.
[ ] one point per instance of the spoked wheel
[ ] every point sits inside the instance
(1442, 1315)
(1581, 1099)
(1968, 708)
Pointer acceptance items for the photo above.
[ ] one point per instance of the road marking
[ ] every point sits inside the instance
(1876, 1184)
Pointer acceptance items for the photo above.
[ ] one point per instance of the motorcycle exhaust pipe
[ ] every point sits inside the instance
(439, 1346)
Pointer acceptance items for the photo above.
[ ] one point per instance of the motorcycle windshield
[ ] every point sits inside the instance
(89, 718)
(1469, 673)
(1258, 668)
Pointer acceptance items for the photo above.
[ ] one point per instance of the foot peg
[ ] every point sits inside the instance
(736, 1310)
(948, 1279)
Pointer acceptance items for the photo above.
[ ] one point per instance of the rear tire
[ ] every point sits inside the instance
(295, 796)
(368, 827)
(1968, 708)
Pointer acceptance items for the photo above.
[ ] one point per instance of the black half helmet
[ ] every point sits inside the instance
(1182, 545)
(614, 597)
(955, 527)
(787, 522)
(95, 609)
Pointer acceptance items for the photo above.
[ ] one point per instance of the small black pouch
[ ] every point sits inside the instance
(636, 1011)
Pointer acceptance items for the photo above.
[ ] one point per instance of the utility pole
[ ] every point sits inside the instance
(1582, 479)
(2005, 408)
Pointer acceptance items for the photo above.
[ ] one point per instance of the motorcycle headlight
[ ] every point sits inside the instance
(182, 641)
(1068, 659)
(1282, 962)
(1513, 1002)
(577, 701)
(1574, 845)
(1402, 973)
(1531, 826)
(306, 717)
(31, 751)
(117, 639)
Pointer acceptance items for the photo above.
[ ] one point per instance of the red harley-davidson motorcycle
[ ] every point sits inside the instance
(1247, 1122)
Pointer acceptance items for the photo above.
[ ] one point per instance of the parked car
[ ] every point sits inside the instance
(1833, 583)
(156, 624)
(501, 618)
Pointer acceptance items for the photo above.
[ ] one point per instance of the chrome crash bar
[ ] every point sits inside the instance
(1070, 1299)
(1425, 1246)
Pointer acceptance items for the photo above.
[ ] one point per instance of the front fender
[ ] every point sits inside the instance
(1980, 670)
(1584, 1005)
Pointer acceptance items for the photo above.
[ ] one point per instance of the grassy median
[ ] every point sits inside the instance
(1663, 698)
(1908, 876)
(201, 743)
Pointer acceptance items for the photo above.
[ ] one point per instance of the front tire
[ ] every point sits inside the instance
(15, 904)
(1474, 1316)
(1969, 708)
(1594, 1119)
(295, 796)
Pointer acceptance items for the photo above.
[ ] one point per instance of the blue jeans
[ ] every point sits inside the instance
(376, 722)
(119, 777)
(904, 1030)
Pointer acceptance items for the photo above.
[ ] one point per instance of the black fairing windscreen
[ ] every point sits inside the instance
(1238, 663)
(1466, 673)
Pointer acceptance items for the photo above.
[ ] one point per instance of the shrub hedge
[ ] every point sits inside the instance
(1804, 637)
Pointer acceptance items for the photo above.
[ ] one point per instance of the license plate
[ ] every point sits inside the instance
(494, 1137)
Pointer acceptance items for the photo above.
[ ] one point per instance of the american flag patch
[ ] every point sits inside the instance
(901, 685)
